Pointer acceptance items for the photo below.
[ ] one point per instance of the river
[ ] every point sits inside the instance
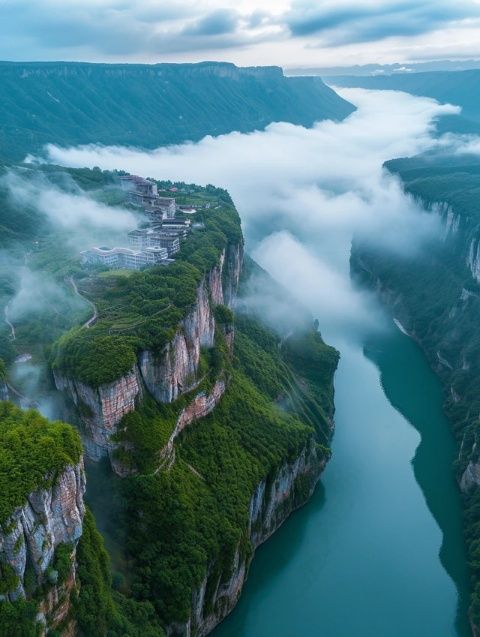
(364, 557)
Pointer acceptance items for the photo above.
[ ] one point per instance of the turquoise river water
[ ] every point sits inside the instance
(378, 551)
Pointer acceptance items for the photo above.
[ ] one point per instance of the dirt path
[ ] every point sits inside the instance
(93, 319)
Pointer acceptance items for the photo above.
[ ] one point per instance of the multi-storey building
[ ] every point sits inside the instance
(125, 257)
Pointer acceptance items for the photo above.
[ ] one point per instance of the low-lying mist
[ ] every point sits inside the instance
(70, 211)
(303, 193)
(53, 219)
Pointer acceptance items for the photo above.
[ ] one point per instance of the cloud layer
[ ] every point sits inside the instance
(286, 32)
(83, 220)
(302, 193)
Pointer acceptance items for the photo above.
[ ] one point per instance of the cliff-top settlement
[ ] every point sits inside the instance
(154, 244)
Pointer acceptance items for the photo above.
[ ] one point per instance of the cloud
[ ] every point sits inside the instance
(302, 193)
(248, 31)
(81, 220)
(218, 22)
(347, 22)
(117, 28)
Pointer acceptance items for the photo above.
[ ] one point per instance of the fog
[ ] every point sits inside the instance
(302, 193)
(37, 298)
(72, 211)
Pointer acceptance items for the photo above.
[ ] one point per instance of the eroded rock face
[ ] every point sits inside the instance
(55, 608)
(470, 477)
(271, 504)
(232, 268)
(175, 371)
(50, 517)
(202, 405)
(102, 408)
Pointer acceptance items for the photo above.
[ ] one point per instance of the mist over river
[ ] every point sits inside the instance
(378, 551)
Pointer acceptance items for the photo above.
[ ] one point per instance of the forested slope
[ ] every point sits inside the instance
(149, 105)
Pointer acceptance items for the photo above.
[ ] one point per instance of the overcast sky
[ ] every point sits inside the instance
(283, 32)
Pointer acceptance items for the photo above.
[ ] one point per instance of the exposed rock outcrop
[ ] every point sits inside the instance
(202, 405)
(30, 537)
(102, 408)
(175, 372)
(50, 517)
(471, 476)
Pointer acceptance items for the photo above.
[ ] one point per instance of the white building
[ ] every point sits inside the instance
(126, 258)
(150, 238)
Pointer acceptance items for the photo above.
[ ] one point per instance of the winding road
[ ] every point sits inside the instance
(93, 319)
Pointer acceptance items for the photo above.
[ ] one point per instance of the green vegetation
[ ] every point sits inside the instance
(100, 612)
(182, 520)
(33, 451)
(149, 105)
(19, 619)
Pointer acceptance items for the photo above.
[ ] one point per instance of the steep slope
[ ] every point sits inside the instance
(149, 105)
(436, 296)
(453, 87)
(41, 516)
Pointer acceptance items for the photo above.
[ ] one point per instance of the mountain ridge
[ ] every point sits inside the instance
(74, 103)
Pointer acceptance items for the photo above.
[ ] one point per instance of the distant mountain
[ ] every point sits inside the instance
(455, 87)
(380, 69)
(149, 105)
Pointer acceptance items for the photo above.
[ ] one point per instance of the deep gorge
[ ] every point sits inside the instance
(205, 391)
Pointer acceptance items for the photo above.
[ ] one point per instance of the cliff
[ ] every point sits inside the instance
(166, 375)
(150, 105)
(195, 500)
(227, 483)
(49, 518)
(41, 525)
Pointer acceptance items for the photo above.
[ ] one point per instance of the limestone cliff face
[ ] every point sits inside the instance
(166, 376)
(102, 408)
(175, 371)
(271, 503)
(28, 540)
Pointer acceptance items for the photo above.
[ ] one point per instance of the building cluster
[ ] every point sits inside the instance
(157, 243)
(143, 193)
